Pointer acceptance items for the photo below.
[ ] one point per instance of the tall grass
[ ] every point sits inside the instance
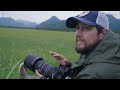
(18, 43)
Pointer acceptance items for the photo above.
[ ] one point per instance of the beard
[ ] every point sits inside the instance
(83, 48)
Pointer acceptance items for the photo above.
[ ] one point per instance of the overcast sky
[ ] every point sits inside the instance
(40, 16)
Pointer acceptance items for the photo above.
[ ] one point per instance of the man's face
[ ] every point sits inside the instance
(86, 38)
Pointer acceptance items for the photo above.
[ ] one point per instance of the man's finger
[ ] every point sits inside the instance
(57, 55)
(38, 74)
(53, 53)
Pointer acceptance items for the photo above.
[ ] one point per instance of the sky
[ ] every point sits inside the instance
(40, 16)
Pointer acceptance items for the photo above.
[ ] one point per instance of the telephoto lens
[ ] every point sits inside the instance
(33, 63)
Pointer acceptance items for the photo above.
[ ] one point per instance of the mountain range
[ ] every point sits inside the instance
(9, 22)
(51, 23)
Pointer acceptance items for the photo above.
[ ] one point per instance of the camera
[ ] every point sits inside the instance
(33, 63)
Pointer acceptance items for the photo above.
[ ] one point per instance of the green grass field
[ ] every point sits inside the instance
(16, 44)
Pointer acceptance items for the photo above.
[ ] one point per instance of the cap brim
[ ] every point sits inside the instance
(72, 22)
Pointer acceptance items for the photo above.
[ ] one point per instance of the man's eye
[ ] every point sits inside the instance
(77, 27)
(87, 28)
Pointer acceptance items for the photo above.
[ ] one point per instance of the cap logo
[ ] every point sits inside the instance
(83, 13)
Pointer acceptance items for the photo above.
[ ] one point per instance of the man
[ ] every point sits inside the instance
(98, 46)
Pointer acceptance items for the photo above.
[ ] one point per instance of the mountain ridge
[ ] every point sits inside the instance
(10, 22)
(51, 23)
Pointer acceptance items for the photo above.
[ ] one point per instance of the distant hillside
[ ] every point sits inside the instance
(114, 23)
(27, 23)
(9, 22)
(55, 23)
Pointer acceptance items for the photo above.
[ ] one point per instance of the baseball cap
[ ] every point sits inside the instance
(92, 18)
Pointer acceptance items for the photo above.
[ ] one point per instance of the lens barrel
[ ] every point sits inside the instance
(30, 61)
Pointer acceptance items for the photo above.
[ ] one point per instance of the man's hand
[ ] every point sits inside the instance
(60, 58)
(38, 74)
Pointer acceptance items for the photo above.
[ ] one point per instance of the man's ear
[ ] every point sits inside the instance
(104, 32)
